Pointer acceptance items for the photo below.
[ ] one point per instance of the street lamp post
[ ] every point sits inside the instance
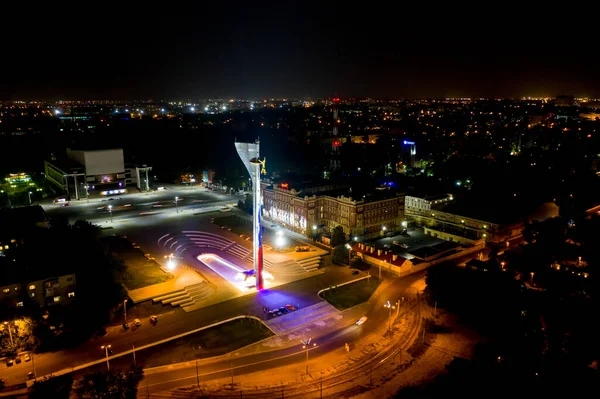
(87, 193)
(306, 347)
(349, 253)
(29, 192)
(106, 349)
(110, 212)
(176, 201)
(390, 307)
(279, 240)
(7, 324)
(124, 311)
(170, 262)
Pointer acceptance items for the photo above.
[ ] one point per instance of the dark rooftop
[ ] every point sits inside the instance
(19, 220)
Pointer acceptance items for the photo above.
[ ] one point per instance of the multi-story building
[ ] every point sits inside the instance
(43, 291)
(96, 172)
(326, 207)
(415, 204)
(19, 285)
(462, 224)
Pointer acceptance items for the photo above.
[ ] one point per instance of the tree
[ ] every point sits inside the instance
(19, 338)
(338, 237)
(340, 255)
(53, 387)
(110, 385)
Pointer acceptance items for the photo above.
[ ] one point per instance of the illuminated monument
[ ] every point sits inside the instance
(249, 154)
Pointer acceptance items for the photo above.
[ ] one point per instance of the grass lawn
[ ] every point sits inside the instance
(350, 295)
(237, 224)
(215, 341)
(139, 272)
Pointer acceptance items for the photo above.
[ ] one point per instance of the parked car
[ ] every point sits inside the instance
(355, 272)
(283, 310)
(9, 362)
(30, 375)
(396, 242)
(18, 359)
(386, 246)
(137, 322)
(290, 307)
(27, 357)
(362, 320)
(153, 320)
(403, 246)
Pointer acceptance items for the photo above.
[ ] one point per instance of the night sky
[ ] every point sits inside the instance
(295, 49)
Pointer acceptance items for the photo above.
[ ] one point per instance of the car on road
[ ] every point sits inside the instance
(396, 242)
(355, 272)
(244, 236)
(153, 320)
(290, 307)
(30, 375)
(283, 310)
(362, 320)
(404, 246)
(18, 359)
(148, 256)
(137, 322)
(125, 326)
(9, 362)
(100, 333)
(386, 246)
(274, 226)
(27, 357)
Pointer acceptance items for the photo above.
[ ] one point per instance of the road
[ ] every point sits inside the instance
(140, 205)
(301, 292)
(377, 315)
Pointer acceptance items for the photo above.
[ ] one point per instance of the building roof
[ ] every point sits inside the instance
(14, 272)
(385, 256)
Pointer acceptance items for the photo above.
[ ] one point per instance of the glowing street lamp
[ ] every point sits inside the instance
(176, 201)
(106, 350)
(349, 247)
(390, 307)
(29, 197)
(110, 211)
(306, 347)
(279, 240)
(170, 263)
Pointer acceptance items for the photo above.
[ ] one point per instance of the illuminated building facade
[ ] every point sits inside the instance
(328, 207)
(249, 154)
(85, 173)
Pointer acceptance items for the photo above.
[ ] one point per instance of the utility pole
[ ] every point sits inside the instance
(231, 369)
(197, 375)
(125, 311)
(133, 347)
(9, 333)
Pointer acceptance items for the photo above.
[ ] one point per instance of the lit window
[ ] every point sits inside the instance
(19, 304)
(71, 294)
(32, 287)
(56, 299)
(33, 294)
(16, 288)
(6, 290)
(6, 247)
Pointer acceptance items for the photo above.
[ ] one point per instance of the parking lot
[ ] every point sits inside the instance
(415, 239)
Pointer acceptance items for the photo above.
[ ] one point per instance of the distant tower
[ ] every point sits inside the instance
(334, 162)
(412, 147)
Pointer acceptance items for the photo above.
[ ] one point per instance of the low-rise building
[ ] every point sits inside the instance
(19, 289)
(96, 172)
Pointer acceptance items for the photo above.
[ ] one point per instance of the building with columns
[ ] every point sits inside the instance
(324, 207)
(87, 173)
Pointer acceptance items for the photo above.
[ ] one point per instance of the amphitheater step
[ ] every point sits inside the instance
(168, 296)
(183, 302)
(185, 295)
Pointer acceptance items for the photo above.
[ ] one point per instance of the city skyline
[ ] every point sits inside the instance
(294, 49)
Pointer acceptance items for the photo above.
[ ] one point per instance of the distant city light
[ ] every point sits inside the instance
(224, 108)
(193, 109)
(126, 110)
(162, 110)
(57, 111)
(206, 108)
(458, 183)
